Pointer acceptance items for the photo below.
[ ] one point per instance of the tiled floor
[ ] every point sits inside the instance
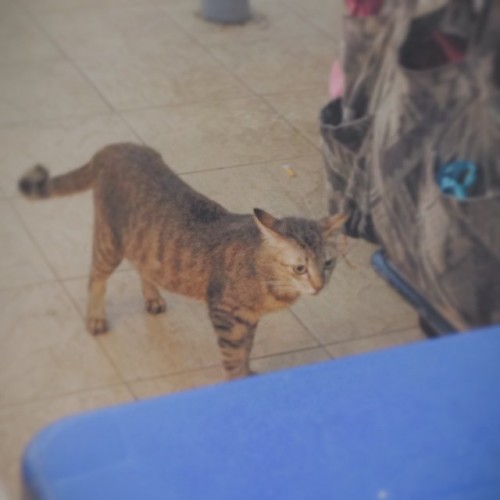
(228, 107)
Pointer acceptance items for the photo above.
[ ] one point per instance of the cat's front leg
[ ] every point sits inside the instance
(153, 301)
(235, 335)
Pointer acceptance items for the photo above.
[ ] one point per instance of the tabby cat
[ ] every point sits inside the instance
(243, 266)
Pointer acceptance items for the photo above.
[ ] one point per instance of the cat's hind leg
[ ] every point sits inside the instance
(106, 257)
(153, 301)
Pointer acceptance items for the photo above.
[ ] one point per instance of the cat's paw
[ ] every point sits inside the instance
(235, 376)
(97, 326)
(156, 306)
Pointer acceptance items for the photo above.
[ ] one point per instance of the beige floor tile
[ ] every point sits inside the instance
(63, 230)
(208, 376)
(356, 303)
(103, 33)
(179, 382)
(50, 6)
(143, 346)
(3, 491)
(290, 360)
(20, 260)
(281, 332)
(267, 186)
(48, 90)
(325, 14)
(21, 39)
(137, 57)
(212, 135)
(294, 64)
(61, 145)
(61, 227)
(184, 74)
(302, 109)
(45, 349)
(375, 343)
(20, 423)
(271, 20)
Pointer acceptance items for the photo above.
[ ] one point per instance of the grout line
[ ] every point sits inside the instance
(278, 161)
(297, 129)
(308, 330)
(308, 20)
(33, 240)
(307, 90)
(375, 335)
(361, 337)
(293, 351)
(176, 373)
(55, 120)
(38, 122)
(213, 57)
(57, 278)
(76, 65)
(61, 283)
(72, 61)
(261, 97)
(111, 110)
(175, 105)
(167, 106)
(130, 128)
(319, 35)
(67, 58)
(218, 365)
(96, 339)
(20, 286)
(42, 399)
(65, 279)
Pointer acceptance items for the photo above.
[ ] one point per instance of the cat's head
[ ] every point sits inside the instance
(303, 251)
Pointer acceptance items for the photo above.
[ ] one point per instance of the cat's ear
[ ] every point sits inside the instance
(333, 223)
(267, 223)
(264, 218)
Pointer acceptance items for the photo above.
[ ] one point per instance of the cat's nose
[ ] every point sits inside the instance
(316, 283)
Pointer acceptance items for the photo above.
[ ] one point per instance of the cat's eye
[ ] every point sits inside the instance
(328, 263)
(300, 269)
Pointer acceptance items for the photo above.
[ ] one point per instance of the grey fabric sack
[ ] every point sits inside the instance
(405, 115)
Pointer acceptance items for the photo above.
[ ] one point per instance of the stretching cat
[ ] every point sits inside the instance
(243, 266)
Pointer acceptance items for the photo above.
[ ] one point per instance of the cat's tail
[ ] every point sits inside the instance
(37, 182)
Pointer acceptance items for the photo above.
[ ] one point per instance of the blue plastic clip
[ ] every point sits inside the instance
(456, 178)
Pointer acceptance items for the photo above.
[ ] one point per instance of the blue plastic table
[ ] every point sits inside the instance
(417, 422)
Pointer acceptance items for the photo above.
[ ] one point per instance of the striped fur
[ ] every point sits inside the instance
(242, 266)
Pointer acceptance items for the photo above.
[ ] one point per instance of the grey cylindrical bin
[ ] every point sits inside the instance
(226, 11)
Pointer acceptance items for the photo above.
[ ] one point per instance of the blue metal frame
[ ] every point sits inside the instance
(428, 314)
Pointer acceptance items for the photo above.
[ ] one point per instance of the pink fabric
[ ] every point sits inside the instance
(336, 84)
(453, 53)
(363, 8)
(355, 8)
